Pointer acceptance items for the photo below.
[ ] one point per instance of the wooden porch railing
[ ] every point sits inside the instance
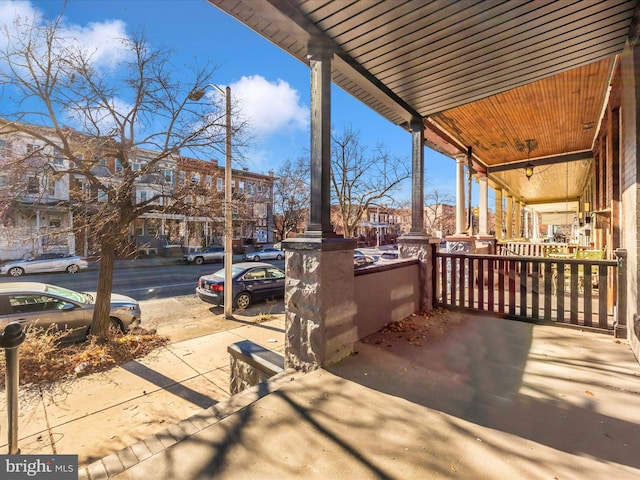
(574, 291)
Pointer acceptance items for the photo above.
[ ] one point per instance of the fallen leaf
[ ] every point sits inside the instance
(589, 393)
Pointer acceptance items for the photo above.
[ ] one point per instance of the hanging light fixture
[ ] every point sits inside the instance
(528, 170)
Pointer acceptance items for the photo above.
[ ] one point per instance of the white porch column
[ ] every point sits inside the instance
(536, 225)
(460, 217)
(527, 232)
(518, 215)
(499, 223)
(509, 225)
(484, 205)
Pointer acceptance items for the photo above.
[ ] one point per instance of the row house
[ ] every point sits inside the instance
(46, 207)
(35, 205)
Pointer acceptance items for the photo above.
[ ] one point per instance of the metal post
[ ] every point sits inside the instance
(10, 340)
(228, 216)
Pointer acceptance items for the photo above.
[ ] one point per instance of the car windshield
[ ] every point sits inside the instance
(69, 294)
(235, 271)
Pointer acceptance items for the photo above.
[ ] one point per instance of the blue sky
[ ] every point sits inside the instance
(271, 86)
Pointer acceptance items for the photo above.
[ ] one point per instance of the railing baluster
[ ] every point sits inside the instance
(501, 272)
(453, 280)
(573, 294)
(524, 268)
(603, 293)
(491, 265)
(480, 283)
(548, 279)
(512, 287)
(470, 281)
(588, 295)
(560, 291)
(535, 293)
(463, 272)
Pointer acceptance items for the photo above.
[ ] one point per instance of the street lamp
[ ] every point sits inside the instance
(228, 218)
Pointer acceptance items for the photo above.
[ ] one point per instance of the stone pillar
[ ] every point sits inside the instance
(420, 247)
(484, 205)
(460, 217)
(518, 215)
(499, 224)
(509, 225)
(417, 177)
(319, 302)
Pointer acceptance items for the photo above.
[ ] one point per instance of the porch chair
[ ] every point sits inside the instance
(589, 255)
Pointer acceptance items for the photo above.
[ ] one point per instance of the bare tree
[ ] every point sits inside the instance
(291, 196)
(439, 213)
(361, 179)
(134, 105)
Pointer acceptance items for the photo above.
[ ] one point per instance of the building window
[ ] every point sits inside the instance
(207, 180)
(50, 185)
(34, 185)
(118, 166)
(219, 184)
(58, 161)
(102, 196)
(143, 196)
(135, 166)
(55, 222)
(195, 178)
(241, 186)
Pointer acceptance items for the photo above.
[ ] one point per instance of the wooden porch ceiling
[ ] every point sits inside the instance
(516, 80)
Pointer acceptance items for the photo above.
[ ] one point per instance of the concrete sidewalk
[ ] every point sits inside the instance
(101, 413)
(479, 398)
(483, 398)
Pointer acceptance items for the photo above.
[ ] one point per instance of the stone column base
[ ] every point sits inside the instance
(421, 247)
(319, 302)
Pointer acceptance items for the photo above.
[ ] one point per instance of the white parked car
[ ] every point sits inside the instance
(47, 262)
(267, 253)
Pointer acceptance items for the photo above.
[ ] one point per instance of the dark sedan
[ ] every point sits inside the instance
(251, 282)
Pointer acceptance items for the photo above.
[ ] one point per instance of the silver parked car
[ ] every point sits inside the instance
(47, 262)
(43, 305)
(266, 253)
(214, 253)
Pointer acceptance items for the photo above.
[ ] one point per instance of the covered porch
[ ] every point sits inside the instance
(528, 100)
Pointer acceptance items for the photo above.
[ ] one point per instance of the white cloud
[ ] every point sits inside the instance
(103, 40)
(270, 107)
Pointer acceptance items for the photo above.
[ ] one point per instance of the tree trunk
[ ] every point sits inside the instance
(100, 322)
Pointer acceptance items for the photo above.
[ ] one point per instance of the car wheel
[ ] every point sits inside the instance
(73, 268)
(16, 272)
(243, 300)
(256, 258)
(278, 257)
(115, 325)
(199, 261)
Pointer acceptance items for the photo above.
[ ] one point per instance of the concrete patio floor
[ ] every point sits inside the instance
(455, 396)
